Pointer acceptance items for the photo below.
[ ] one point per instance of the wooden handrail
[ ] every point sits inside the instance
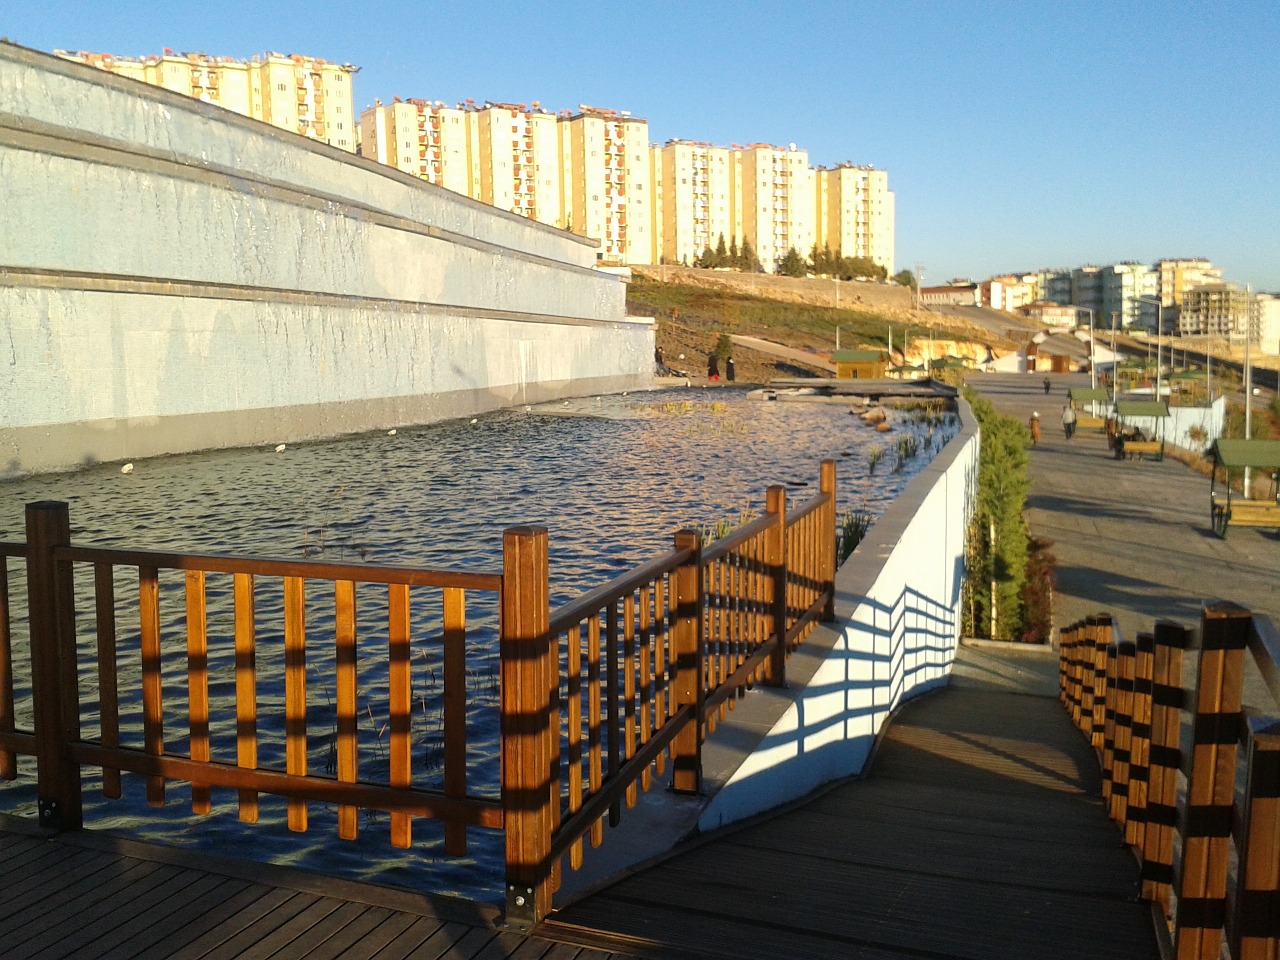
(1186, 840)
(634, 672)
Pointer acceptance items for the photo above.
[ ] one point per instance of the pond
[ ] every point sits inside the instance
(612, 478)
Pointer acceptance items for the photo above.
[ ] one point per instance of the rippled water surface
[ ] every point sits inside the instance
(612, 478)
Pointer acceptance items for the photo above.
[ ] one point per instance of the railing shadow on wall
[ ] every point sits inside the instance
(1191, 776)
(594, 698)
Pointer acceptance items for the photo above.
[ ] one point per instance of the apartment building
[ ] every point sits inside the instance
(1122, 285)
(777, 201)
(695, 182)
(1218, 310)
(517, 161)
(1086, 288)
(420, 138)
(606, 168)
(304, 95)
(1009, 292)
(855, 212)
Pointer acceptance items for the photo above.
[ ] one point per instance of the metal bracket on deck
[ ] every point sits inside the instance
(50, 813)
(521, 913)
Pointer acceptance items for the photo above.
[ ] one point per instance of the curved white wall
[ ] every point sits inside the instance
(174, 276)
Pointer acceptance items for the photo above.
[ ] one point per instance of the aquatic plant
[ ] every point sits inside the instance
(874, 456)
(854, 524)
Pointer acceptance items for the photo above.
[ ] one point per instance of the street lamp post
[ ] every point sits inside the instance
(838, 326)
(1159, 332)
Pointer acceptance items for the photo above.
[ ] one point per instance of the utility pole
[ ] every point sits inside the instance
(1248, 380)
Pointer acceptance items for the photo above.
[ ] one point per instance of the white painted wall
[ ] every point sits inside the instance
(898, 623)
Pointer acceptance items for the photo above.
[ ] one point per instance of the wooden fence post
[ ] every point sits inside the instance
(1140, 747)
(1101, 629)
(1200, 876)
(530, 743)
(1164, 762)
(54, 682)
(1109, 692)
(827, 484)
(1255, 920)
(1122, 732)
(775, 549)
(1087, 637)
(686, 663)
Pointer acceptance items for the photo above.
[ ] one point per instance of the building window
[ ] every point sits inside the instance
(281, 87)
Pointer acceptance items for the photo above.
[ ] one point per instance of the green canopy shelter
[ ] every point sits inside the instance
(1129, 440)
(1233, 457)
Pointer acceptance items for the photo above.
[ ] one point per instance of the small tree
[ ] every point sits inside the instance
(905, 278)
(793, 265)
(750, 262)
(722, 253)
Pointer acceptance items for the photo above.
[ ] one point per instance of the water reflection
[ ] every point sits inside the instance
(612, 478)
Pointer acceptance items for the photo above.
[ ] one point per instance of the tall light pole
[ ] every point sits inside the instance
(1114, 358)
(1159, 329)
(838, 326)
(1093, 367)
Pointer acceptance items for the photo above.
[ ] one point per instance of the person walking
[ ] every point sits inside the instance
(1047, 385)
(1034, 425)
(1068, 420)
(728, 369)
(713, 367)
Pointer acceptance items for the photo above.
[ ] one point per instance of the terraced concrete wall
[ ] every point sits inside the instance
(176, 277)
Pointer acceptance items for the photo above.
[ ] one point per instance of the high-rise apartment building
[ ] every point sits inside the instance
(777, 201)
(304, 95)
(605, 162)
(1177, 276)
(1122, 285)
(518, 161)
(855, 212)
(1086, 288)
(1218, 310)
(422, 139)
(696, 199)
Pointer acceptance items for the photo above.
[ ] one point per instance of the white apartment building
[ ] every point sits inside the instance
(855, 212)
(304, 95)
(517, 161)
(1268, 308)
(422, 139)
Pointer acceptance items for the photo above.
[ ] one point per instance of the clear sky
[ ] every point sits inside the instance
(1017, 135)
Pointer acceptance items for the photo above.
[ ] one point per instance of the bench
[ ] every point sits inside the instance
(1140, 448)
(1244, 513)
(1090, 423)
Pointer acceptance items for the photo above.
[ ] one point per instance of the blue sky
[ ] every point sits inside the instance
(1016, 135)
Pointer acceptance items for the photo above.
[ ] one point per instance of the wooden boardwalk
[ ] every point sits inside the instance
(89, 897)
(978, 833)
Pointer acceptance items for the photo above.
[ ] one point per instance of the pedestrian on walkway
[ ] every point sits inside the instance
(1034, 425)
(1047, 385)
(713, 367)
(1068, 420)
(729, 372)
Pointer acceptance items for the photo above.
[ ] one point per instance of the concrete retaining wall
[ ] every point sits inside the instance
(896, 632)
(175, 277)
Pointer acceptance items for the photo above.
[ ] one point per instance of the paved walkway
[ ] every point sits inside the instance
(1132, 537)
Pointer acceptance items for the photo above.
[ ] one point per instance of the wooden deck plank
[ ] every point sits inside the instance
(334, 933)
(209, 932)
(52, 880)
(190, 917)
(414, 936)
(38, 928)
(978, 833)
(249, 935)
(261, 941)
(376, 939)
(92, 941)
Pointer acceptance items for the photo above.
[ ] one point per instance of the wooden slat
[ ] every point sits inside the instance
(197, 683)
(400, 697)
(152, 688)
(346, 746)
(661, 643)
(573, 731)
(108, 682)
(646, 674)
(246, 690)
(629, 670)
(595, 762)
(455, 713)
(613, 693)
(295, 694)
(8, 761)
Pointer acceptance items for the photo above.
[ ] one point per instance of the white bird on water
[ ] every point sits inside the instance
(391, 432)
(127, 469)
(279, 448)
(475, 419)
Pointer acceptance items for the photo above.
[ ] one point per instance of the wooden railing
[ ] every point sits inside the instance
(1191, 777)
(594, 701)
